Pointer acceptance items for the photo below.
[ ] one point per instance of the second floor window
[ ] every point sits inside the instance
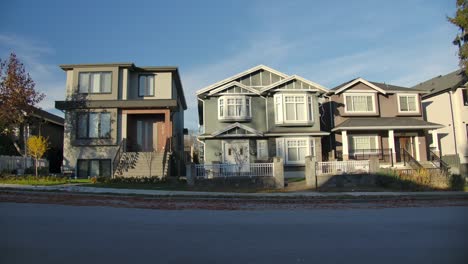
(293, 108)
(408, 103)
(146, 85)
(94, 125)
(465, 96)
(359, 103)
(94, 82)
(234, 107)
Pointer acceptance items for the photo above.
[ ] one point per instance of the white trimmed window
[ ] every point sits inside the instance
(234, 107)
(408, 103)
(363, 144)
(293, 108)
(94, 82)
(294, 150)
(359, 103)
(262, 149)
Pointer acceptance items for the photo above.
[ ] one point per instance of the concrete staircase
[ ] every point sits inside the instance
(137, 164)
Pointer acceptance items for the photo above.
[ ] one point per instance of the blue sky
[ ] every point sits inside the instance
(328, 42)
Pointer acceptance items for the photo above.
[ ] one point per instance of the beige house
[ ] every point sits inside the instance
(117, 114)
(446, 103)
(377, 119)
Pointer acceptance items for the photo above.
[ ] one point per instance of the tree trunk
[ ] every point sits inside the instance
(36, 166)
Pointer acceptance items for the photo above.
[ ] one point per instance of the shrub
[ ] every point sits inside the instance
(130, 180)
(457, 182)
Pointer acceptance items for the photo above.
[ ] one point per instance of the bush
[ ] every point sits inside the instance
(130, 180)
(457, 182)
(41, 171)
(414, 180)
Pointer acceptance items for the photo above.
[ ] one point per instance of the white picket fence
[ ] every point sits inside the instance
(231, 170)
(340, 167)
(10, 163)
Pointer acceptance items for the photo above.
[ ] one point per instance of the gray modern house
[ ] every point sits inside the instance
(121, 119)
(377, 119)
(259, 114)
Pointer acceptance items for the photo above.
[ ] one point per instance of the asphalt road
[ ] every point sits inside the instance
(40, 233)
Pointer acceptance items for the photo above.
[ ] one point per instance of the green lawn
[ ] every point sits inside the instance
(42, 180)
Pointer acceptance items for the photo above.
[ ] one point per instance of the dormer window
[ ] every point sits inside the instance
(293, 109)
(408, 103)
(234, 108)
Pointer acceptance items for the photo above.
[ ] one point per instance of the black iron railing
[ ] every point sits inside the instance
(383, 154)
(437, 161)
(118, 155)
(410, 160)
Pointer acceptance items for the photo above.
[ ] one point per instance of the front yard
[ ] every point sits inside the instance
(41, 180)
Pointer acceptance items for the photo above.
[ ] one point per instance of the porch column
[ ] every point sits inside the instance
(124, 126)
(124, 84)
(435, 142)
(416, 148)
(344, 140)
(391, 144)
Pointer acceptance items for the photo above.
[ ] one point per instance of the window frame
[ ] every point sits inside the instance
(352, 150)
(146, 82)
(464, 92)
(90, 73)
(279, 102)
(374, 105)
(416, 101)
(88, 169)
(246, 107)
(263, 141)
(88, 116)
(282, 148)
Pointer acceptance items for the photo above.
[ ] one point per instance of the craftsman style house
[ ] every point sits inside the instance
(259, 114)
(377, 119)
(122, 119)
(446, 103)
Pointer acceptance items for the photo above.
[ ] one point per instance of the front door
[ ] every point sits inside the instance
(404, 143)
(236, 151)
(146, 135)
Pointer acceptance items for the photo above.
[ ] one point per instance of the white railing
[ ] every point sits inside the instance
(231, 170)
(10, 163)
(339, 167)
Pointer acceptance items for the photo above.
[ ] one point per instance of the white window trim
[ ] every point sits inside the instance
(282, 116)
(353, 149)
(266, 149)
(360, 94)
(243, 106)
(416, 102)
(284, 148)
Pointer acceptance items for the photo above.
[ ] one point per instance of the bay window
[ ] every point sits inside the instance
(94, 125)
(359, 103)
(408, 103)
(94, 82)
(293, 108)
(234, 108)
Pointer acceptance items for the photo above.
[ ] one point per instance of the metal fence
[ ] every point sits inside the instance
(232, 170)
(11, 163)
(339, 167)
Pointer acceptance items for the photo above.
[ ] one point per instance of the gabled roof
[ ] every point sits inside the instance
(443, 83)
(231, 84)
(379, 87)
(294, 77)
(385, 123)
(237, 125)
(239, 75)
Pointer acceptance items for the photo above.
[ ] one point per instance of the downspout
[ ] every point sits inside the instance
(453, 123)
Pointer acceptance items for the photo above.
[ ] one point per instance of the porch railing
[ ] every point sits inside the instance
(383, 154)
(339, 167)
(410, 160)
(232, 170)
(118, 155)
(437, 161)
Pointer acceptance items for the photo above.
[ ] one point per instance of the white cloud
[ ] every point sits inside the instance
(48, 77)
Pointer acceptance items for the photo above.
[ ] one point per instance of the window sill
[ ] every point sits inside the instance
(408, 114)
(360, 114)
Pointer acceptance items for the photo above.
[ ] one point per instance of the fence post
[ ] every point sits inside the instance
(191, 173)
(278, 172)
(310, 172)
(374, 165)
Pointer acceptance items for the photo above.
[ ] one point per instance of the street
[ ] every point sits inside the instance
(79, 234)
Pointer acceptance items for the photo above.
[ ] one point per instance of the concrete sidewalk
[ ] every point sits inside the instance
(75, 188)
